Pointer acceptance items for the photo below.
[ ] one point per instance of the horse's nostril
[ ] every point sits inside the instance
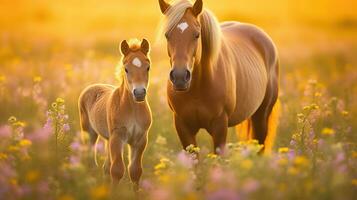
(172, 77)
(188, 75)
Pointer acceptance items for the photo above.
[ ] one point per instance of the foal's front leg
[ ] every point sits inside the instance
(218, 131)
(135, 167)
(116, 157)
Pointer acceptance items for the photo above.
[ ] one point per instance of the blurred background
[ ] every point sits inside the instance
(69, 44)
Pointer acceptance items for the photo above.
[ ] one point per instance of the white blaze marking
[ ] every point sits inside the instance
(182, 26)
(137, 62)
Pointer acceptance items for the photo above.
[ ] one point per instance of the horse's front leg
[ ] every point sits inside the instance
(186, 133)
(116, 156)
(135, 167)
(218, 130)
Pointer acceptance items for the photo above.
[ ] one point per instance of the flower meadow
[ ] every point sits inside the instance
(43, 154)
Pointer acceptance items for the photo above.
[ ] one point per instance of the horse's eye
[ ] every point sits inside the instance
(167, 35)
(148, 69)
(197, 35)
(126, 70)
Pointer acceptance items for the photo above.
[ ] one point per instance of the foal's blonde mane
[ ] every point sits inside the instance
(134, 45)
(210, 29)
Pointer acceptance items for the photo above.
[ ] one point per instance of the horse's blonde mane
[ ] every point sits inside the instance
(210, 29)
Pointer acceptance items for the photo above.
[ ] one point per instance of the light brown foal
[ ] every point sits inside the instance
(221, 74)
(121, 114)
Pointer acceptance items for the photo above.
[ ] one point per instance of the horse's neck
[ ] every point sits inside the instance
(201, 75)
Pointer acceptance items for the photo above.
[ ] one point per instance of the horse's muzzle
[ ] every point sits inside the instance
(180, 79)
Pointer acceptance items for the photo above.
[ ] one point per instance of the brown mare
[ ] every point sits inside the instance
(221, 74)
(121, 114)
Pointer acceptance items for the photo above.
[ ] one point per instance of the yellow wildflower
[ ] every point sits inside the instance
(37, 79)
(314, 106)
(13, 181)
(100, 192)
(13, 148)
(283, 150)
(344, 113)
(3, 156)
(12, 119)
(254, 142)
(159, 166)
(65, 197)
(328, 131)
(354, 154)
(306, 108)
(32, 176)
(212, 155)
(54, 105)
(315, 141)
(247, 164)
(301, 161)
(318, 94)
(192, 149)
(19, 123)
(300, 115)
(25, 143)
(354, 182)
(60, 100)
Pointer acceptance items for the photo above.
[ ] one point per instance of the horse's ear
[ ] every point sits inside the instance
(164, 6)
(197, 7)
(124, 47)
(145, 46)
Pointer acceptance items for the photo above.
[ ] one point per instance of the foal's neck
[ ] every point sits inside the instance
(126, 97)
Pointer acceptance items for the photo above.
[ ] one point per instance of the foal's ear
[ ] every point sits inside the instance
(124, 47)
(197, 7)
(164, 6)
(145, 46)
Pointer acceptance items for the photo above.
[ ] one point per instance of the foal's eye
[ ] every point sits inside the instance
(147, 69)
(167, 35)
(126, 70)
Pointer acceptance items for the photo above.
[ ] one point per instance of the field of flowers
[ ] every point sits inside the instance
(47, 60)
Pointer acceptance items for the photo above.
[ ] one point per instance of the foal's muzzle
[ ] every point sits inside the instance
(139, 94)
(180, 79)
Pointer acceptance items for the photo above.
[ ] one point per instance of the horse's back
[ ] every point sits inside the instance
(255, 55)
(255, 36)
(93, 100)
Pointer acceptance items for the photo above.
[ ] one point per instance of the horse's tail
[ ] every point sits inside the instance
(245, 129)
(273, 122)
(96, 151)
